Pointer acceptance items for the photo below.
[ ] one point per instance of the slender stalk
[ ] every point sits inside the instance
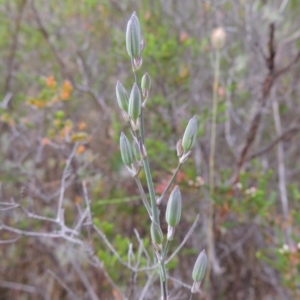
(191, 297)
(151, 190)
(142, 126)
(214, 124)
(143, 195)
(159, 200)
(134, 71)
(163, 271)
(146, 161)
(281, 169)
(154, 210)
(166, 250)
(210, 234)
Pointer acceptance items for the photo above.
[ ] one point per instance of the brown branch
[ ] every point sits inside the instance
(288, 132)
(268, 82)
(288, 67)
(272, 75)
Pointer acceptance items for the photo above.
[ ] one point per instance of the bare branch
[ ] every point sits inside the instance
(293, 129)
(61, 283)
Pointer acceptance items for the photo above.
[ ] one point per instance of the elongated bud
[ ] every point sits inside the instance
(173, 211)
(146, 84)
(135, 103)
(126, 151)
(156, 234)
(190, 135)
(218, 38)
(133, 36)
(122, 96)
(200, 267)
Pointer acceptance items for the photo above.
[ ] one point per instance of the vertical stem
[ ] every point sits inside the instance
(191, 297)
(146, 161)
(281, 169)
(150, 185)
(144, 198)
(169, 184)
(151, 190)
(142, 126)
(210, 233)
(214, 124)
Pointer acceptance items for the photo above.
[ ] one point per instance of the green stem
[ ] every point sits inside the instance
(134, 71)
(166, 251)
(143, 195)
(191, 297)
(214, 125)
(210, 234)
(154, 208)
(159, 200)
(142, 125)
(151, 190)
(163, 271)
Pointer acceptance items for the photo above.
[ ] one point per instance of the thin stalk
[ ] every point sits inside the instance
(159, 200)
(150, 185)
(166, 250)
(146, 161)
(134, 71)
(151, 190)
(143, 195)
(214, 124)
(163, 271)
(163, 279)
(142, 126)
(191, 297)
(281, 170)
(210, 234)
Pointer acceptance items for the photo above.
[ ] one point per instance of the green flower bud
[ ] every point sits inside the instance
(156, 234)
(133, 36)
(200, 267)
(126, 151)
(173, 212)
(190, 135)
(122, 96)
(145, 84)
(135, 103)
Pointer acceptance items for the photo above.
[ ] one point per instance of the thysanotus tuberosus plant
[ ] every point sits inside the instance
(134, 156)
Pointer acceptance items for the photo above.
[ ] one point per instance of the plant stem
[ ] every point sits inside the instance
(154, 215)
(166, 250)
(142, 126)
(151, 190)
(134, 71)
(214, 124)
(159, 200)
(143, 195)
(210, 234)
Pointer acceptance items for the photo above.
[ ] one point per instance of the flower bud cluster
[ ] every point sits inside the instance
(134, 153)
